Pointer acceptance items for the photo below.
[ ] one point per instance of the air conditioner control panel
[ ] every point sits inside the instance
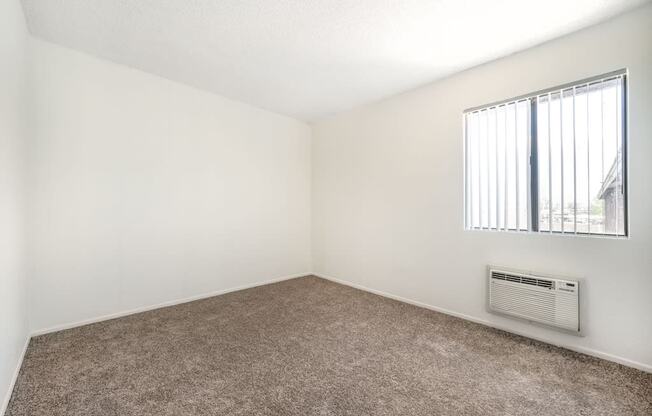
(568, 287)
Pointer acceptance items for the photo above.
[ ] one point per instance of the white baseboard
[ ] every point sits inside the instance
(70, 325)
(10, 390)
(588, 351)
(583, 350)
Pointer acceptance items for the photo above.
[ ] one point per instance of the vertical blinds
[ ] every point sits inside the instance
(497, 165)
(550, 162)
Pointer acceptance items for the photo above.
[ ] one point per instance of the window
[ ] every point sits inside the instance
(553, 161)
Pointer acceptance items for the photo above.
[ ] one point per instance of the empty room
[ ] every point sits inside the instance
(299, 207)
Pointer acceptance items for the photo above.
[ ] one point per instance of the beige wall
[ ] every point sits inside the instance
(13, 133)
(388, 196)
(144, 191)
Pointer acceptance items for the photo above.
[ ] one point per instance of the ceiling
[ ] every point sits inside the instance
(309, 58)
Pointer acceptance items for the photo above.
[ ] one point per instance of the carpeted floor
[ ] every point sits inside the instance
(311, 347)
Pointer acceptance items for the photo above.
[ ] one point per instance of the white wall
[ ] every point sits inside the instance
(388, 196)
(144, 191)
(13, 101)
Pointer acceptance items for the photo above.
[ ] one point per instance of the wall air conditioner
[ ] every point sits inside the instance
(545, 300)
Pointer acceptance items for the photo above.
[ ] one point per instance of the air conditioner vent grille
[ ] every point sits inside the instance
(550, 301)
(523, 279)
(544, 283)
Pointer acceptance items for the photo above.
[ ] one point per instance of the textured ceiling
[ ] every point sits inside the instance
(308, 58)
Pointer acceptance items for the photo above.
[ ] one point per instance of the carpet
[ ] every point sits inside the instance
(308, 346)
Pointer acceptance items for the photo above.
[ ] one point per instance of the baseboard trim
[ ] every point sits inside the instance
(588, 351)
(583, 350)
(12, 384)
(70, 325)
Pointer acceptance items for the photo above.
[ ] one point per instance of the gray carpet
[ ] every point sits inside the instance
(311, 347)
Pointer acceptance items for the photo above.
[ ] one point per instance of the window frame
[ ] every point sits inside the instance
(532, 152)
